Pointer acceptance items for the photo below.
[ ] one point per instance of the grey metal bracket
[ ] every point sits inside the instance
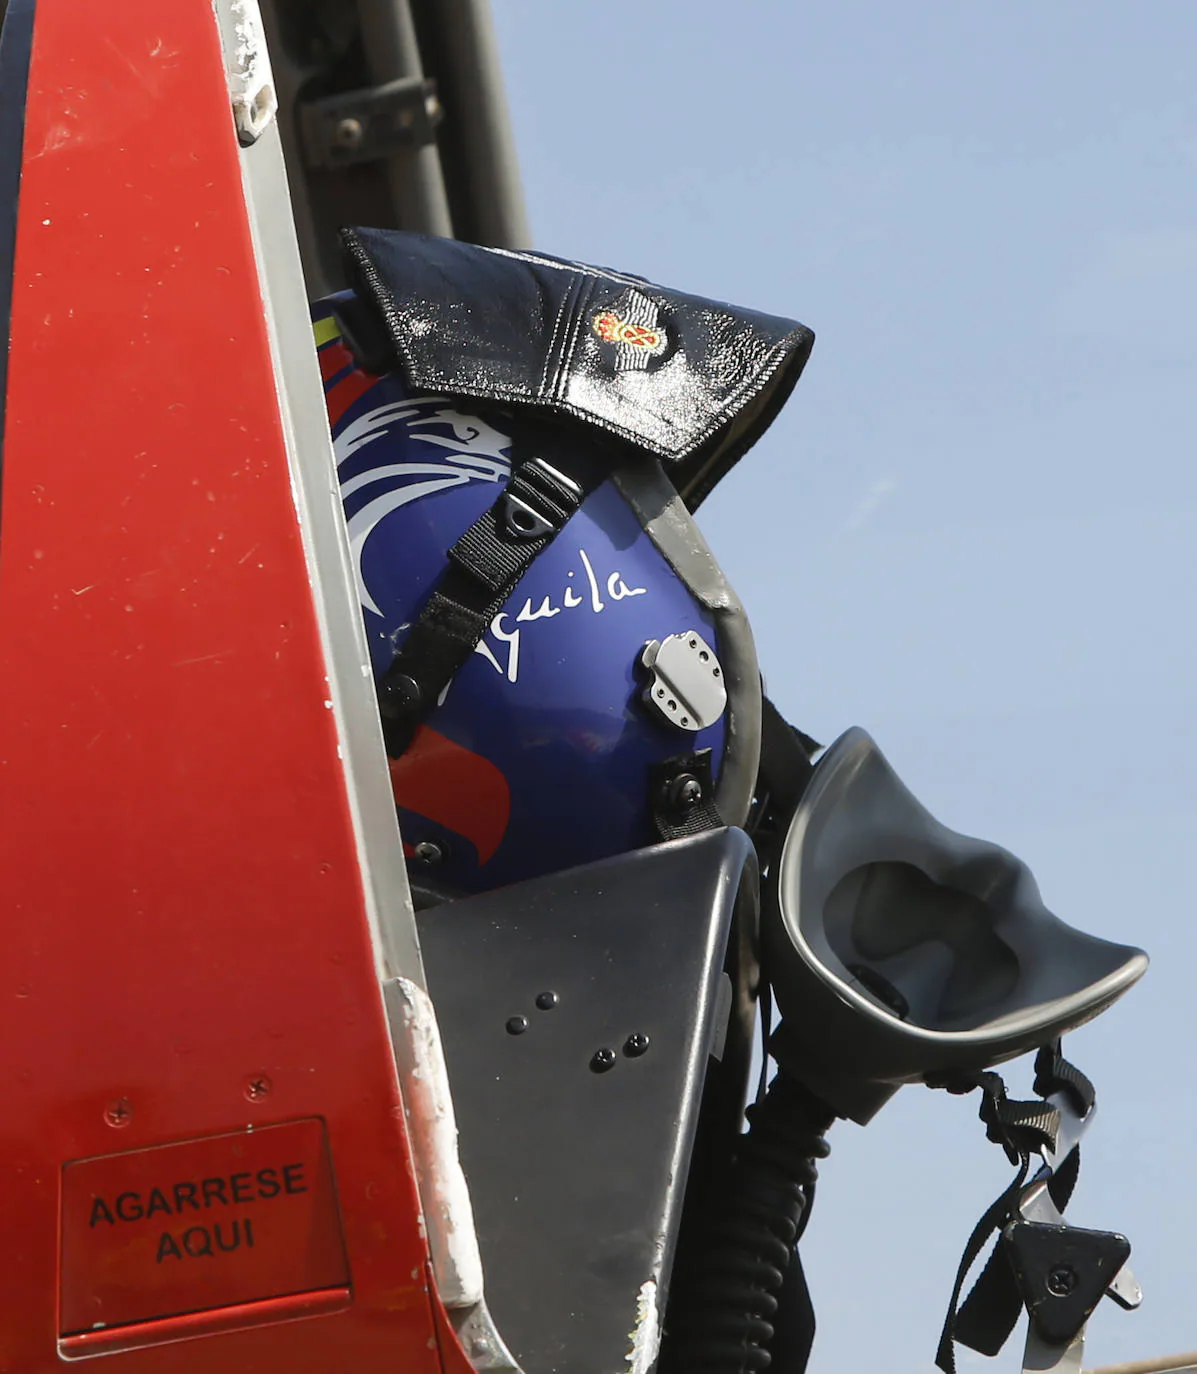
(1050, 1347)
(369, 124)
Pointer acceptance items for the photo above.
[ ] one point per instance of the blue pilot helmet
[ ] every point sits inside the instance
(539, 754)
(609, 697)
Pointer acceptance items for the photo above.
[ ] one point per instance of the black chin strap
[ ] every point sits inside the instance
(985, 1319)
(485, 566)
(987, 1316)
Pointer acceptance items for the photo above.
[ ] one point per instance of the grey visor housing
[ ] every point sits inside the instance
(900, 950)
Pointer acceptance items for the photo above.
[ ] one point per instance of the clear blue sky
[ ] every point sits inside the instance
(974, 529)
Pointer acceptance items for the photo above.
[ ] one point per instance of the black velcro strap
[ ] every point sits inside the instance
(440, 641)
(682, 796)
(994, 1217)
(485, 565)
(1054, 1074)
(1020, 1128)
(444, 619)
(437, 644)
(987, 1316)
(490, 556)
(989, 1313)
(500, 546)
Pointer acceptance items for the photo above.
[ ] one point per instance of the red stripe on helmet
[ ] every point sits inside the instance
(343, 395)
(334, 358)
(454, 787)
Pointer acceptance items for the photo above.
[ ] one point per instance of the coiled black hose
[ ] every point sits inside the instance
(721, 1318)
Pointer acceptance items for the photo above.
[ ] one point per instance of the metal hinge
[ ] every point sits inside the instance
(371, 123)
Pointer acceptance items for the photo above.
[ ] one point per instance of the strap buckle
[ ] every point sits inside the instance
(539, 500)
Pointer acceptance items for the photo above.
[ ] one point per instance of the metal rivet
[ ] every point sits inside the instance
(635, 1045)
(429, 853)
(602, 1060)
(400, 693)
(546, 1001)
(349, 133)
(517, 1025)
(119, 1112)
(257, 1088)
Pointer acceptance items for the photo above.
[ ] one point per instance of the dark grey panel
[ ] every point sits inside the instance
(575, 1134)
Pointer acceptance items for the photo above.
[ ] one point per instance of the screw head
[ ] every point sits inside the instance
(1062, 1280)
(118, 1112)
(635, 1045)
(546, 1001)
(257, 1087)
(602, 1060)
(517, 1025)
(398, 695)
(685, 792)
(429, 853)
(349, 132)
